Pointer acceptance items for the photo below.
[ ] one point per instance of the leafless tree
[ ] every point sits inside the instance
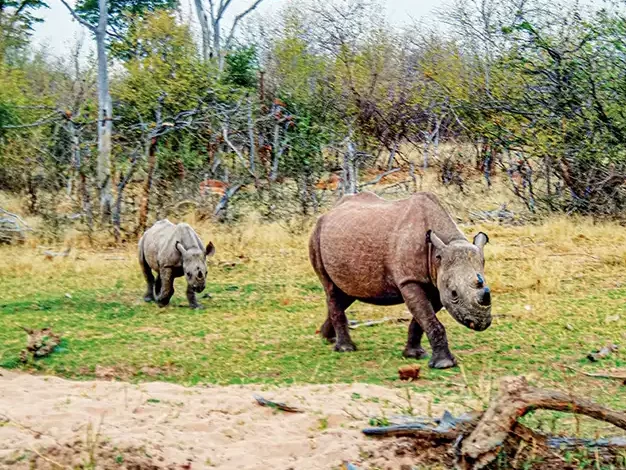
(213, 40)
(105, 108)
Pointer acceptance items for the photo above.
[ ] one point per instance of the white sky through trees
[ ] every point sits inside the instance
(58, 32)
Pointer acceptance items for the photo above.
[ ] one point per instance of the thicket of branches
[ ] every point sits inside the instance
(158, 120)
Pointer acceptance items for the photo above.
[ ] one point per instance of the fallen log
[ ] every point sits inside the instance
(12, 227)
(476, 439)
(516, 398)
(446, 428)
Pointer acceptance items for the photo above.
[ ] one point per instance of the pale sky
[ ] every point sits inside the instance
(58, 31)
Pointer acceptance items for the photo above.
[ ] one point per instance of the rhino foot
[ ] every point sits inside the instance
(345, 347)
(148, 298)
(196, 306)
(415, 353)
(442, 362)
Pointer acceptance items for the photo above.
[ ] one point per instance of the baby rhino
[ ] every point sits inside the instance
(173, 251)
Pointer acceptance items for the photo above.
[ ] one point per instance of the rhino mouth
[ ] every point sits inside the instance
(482, 326)
(479, 319)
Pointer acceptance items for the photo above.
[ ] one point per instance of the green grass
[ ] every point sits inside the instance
(259, 326)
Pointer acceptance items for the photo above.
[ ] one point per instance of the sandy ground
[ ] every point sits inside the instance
(48, 422)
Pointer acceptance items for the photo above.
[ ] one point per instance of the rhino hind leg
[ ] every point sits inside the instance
(414, 347)
(337, 303)
(150, 281)
(335, 328)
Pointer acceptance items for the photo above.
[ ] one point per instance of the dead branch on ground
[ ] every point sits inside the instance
(477, 439)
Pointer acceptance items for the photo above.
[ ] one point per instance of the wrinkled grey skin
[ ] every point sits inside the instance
(173, 251)
(392, 252)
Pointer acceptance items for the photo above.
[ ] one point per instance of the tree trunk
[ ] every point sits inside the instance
(276, 152)
(145, 201)
(32, 194)
(217, 50)
(86, 202)
(204, 25)
(349, 169)
(105, 118)
(117, 213)
(304, 194)
(392, 154)
(251, 137)
(80, 174)
(262, 89)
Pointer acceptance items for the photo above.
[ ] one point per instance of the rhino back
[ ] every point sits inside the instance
(370, 246)
(354, 244)
(153, 240)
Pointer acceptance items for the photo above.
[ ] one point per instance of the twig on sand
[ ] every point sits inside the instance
(5, 418)
(48, 459)
(280, 406)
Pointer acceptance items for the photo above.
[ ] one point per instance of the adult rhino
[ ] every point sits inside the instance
(391, 252)
(173, 251)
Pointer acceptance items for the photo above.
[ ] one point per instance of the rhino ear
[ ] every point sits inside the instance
(210, 250)
(181, 248)
(431, 237)
(481, 239)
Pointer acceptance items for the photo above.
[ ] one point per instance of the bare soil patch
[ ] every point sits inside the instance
(50, 423)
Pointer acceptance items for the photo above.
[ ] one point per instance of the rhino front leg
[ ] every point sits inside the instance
(424, 315)
(166, 276)
(414, 347)
(191, 297)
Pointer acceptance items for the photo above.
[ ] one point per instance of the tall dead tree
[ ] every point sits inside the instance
(213, 44)
(105, 108)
